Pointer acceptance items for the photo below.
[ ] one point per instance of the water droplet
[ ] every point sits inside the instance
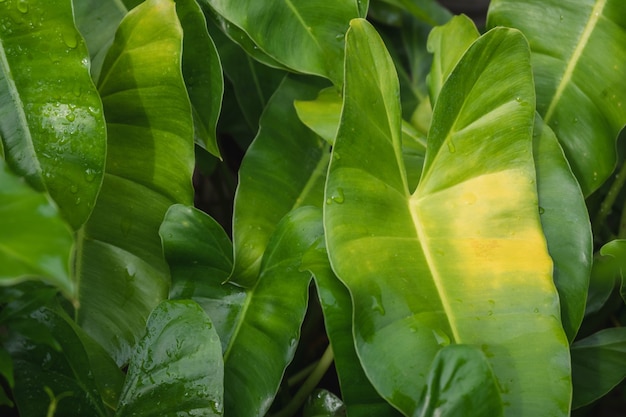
(441, 337)
(490, 313)
(338, 196)
(73, 189)
(339, 36)
(90, 175)
(22, 6)
(377, 305)
(94, 111)
(70, 117)
(561, 18)
(518, 99)
(536, 310)
(451, 146)
(336, 155)
(329, 200)
(69, 39)
(541, 210)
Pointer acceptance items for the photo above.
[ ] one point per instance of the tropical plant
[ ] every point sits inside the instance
(428, 218)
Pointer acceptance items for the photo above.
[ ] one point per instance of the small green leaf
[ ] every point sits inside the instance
(203, 74)
(448, 43)
(176, 367)
(598, 365)
(616, 249)
(52, 124)
(35, 242)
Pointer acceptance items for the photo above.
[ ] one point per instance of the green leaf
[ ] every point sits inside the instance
(315, 28)
(566, 225)
(578, 56)
(176, 367)
(121, 266)
(203, 74)
(598, 365)
(323, 114)
(460, 383)
(35, 243)
(298, 159)
(66, 373)
(97, 21)
(448, 43)
(463, 259)
(51, 116)
(359, 396)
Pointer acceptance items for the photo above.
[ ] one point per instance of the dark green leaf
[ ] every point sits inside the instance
(51, 119)
(598, 364)
(176, 368)
(323, 403)
(149, 167)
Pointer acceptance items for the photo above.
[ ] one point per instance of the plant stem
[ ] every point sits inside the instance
(611, 196)
(309, 385)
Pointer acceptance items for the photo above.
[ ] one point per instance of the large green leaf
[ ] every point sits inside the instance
(578, 55)
(463, 259)
(359, 396)
(35, 242)
(315, 29)
(259, 326)
(460, 384)
(177, 366)
(598, 365)
(283, 169)
(566, 225)
(149, 166)
(51, 119)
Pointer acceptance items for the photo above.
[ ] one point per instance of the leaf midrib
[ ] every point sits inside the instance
(596, 12)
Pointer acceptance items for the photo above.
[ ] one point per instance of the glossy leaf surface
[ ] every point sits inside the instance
(566, 225)
(359, 396)
(35, 243)
(578, 55)
(316, 30)
(394, 250)
(149, 165)
(616, 251)
(65, 371)
(176, 367)
(51, 119)
(283, 169)
(460, 383)
(598, 365)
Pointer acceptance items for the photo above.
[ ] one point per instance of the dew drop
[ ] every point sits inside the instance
(338, 196)
(329, 200)
(541, 210)
(90, 175)
(441, 338)
(70, 117)
(377, 305)
(339, 36)
(22, 6)
(451, 147)
(73, 189)
(69, 39)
